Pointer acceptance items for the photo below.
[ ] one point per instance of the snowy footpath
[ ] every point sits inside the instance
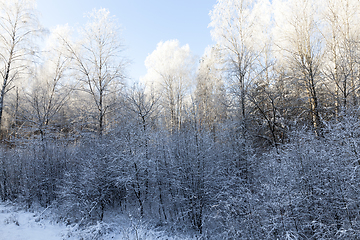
(21, 225)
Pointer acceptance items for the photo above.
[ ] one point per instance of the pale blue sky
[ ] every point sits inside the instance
(145, 23)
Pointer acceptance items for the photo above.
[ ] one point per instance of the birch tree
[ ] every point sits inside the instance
(51, 87)
(99, 63)
(170, 71)
(19, 26)
(238, 27)
(210, 97)
(341, 66)
(300, 45)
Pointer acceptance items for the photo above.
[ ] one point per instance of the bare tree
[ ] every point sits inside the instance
(18, 27)
(238, 28)
(210, 99)
(301, 45)
(50, 89)
(170, 71)
(144, 105)
(98, 62)
(341, 35)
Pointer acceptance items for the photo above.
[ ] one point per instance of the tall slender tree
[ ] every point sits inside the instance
(170, 71)
(210, 97)
(99, 63)
(51, 88)
(341, 65)
(300, 43)
(238, 27)
(18, 27)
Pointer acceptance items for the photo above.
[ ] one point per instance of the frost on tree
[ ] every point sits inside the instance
(239, 28)
(99, 65)
(18, 28)
(170, 73)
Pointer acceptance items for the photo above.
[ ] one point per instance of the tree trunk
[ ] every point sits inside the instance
(3, 89)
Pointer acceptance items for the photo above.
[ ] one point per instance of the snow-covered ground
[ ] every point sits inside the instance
(21, 225)
(16, 224)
